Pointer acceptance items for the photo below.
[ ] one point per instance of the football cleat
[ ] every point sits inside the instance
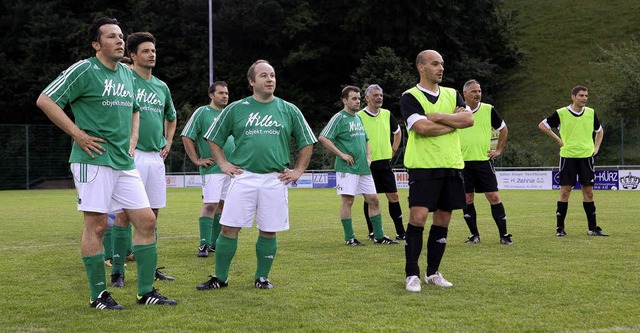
(506, 239)
(106, 302)
(117, 280)
(596, 232)
(153, 297)
(213, 283)
(413, 284)
(371, 237)
(438, 280)
(385, 240)
(162, 276)
(203, 251)
(473, 239)
(263, 283)
(401, 237)
(353, 242)
(560, 232)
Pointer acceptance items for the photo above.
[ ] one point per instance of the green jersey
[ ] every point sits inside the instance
(102, 103)
(348, 134)
(156, 106)
(198, 124)
(262, 132)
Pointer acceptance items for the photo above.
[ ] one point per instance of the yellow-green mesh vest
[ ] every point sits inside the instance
(379, 132)
(431, 152)
(576, 133)
(475, 141)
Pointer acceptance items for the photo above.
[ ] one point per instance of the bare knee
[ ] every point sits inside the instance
(493, 197)
(208, 209)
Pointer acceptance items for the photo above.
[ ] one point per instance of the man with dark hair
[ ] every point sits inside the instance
(576, 124)
(157, 124)
(346, 137)
(379, 124)
(434, 163)
(215, 183)
(262, 126)
(100, 92)
(479, 175)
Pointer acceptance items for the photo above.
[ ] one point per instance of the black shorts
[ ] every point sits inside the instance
(383, 177)
(479, 177)
(583, 168)
(436, 189)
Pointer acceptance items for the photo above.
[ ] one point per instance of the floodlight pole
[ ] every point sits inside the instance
(210, 42)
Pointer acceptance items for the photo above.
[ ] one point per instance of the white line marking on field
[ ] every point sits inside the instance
(39, 246)
(611, 329)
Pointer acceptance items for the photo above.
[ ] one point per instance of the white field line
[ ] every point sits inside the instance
(632, 328)
(39, 246)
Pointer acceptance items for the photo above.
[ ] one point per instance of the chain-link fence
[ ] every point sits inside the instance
(34, 156)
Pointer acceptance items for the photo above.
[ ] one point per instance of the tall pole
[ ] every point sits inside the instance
(210, 42)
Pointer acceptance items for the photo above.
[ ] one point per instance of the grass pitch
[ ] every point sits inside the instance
(541, 283)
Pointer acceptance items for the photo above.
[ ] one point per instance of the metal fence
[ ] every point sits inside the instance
(32, 155)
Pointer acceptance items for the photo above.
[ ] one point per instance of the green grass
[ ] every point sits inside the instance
(540, 284)
(560, 39)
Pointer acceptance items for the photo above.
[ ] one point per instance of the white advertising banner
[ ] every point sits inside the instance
(629, 180)
(524, 180)
(402, 179)
(175, 181)
(305, 181)
(192, 181)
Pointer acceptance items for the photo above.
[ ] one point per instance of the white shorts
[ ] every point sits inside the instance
(102, 189)
(262, 196)
(151, 168)
(215, 187)
(351, 184)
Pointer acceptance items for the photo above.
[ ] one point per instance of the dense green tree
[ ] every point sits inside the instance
(620, 117)
(316, 47)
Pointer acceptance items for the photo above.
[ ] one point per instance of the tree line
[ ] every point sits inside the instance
(315, 47)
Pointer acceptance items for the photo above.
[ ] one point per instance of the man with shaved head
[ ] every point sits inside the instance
(434, 163)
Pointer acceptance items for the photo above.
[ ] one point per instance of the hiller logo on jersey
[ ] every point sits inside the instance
(150, 98)
(355, 126)
(258, 121)
(119, 90)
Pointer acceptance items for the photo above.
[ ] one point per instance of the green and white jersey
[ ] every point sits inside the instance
(198, 124)
(348, 134)
(262, 132)
(156, 106)
(102, 103)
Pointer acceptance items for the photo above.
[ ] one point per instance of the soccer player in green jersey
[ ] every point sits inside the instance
(346, 137)
(262, 126)
(214, 182)
(479, 175)
(576, 124)
(434, 163)
(157, 126)
(379, 124)
(100, 93)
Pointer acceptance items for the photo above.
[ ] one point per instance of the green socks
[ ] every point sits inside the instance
(347, 225)
(216, 229)
(129, 239)
(107, 244)
(146, 263)
(376, 222)
(94, 265)
(266, 249)
(225, 250)
(119, 239)
(206, 228)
